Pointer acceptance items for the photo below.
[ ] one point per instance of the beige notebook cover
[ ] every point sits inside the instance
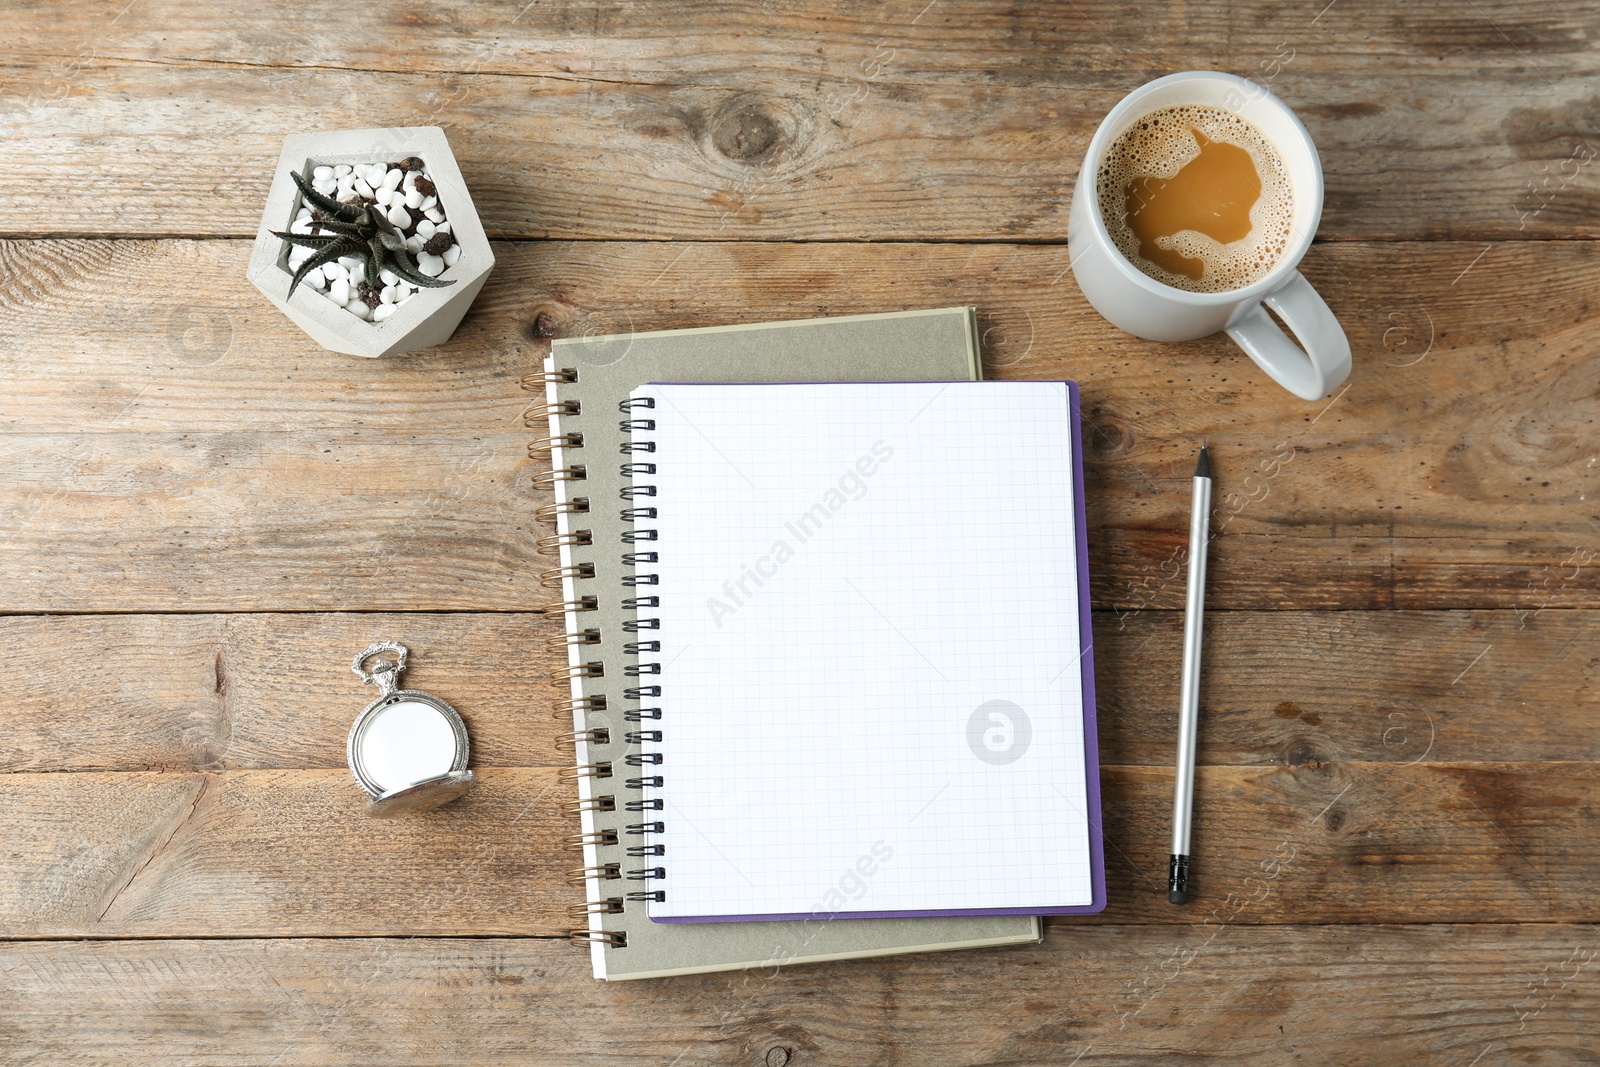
(609, 703)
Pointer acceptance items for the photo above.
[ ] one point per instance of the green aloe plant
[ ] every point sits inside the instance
(355, 231)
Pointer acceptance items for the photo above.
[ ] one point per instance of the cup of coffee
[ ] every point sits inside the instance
(1199, 197)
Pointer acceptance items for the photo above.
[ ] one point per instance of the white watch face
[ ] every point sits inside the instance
(406, 743)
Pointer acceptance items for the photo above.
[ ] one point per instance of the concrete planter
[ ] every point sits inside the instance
(427, 319)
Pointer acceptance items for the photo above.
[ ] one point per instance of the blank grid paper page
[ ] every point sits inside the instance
(871, 688)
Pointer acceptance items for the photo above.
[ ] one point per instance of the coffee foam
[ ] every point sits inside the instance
(1158, 146)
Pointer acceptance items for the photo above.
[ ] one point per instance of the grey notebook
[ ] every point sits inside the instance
(613, 706)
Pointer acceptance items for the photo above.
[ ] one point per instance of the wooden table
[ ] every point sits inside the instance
(205, 516)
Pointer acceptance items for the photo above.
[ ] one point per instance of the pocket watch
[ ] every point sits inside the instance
(407, 749)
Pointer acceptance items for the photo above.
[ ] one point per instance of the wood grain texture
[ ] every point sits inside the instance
(289, 853)
(258, 690)
(1282, 689)
(1455, 472)
(1093, 996)
(762, 121)
(1401, 690)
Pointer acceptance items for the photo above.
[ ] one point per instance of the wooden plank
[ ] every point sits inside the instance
(1263, 996)
(204, 692)
(958, 42)
(1454, 472)
(258, 520)
(265, 691)
(108, 336)
(286, 852)
(749, 121)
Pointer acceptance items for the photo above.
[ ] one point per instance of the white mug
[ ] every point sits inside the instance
(1136, 302)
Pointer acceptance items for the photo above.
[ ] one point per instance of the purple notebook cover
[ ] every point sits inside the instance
(1091, 735)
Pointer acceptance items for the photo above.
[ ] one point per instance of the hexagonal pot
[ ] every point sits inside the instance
(426, 319)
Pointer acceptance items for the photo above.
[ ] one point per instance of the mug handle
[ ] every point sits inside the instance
(1311, 369)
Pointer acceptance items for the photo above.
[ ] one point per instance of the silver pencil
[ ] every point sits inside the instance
(1194, 610)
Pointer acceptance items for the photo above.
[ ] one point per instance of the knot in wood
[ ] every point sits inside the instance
(746, 132)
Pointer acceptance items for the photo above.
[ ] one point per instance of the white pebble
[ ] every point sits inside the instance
(387, 295)
(327, 188)
(363, 188)
(393, 179)
(430, 264)
(298, 256)
(317, 280)
(383, 197)
(322, 174)
(444, 227)
(450, 255)
(374, 174)
(300, 226)
(429, 202)
(303, 213)
(399, 217)
(414, 244)
(339, 291)
(388, 277)
(341, 170)
(434, 215)
(425, 229)
(413, 199)
(383, 311)
(347, 184)
(352, 264)
(333, 271)
(359, 309)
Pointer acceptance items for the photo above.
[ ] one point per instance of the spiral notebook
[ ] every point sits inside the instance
(876, 696)
(584, 382)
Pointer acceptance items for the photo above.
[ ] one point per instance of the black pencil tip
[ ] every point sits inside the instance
(1202, 466)
(1178, 879)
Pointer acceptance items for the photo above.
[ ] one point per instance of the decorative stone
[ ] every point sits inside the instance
(451, 255)
(400, 218)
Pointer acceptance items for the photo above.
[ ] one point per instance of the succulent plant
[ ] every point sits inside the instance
(353, 229)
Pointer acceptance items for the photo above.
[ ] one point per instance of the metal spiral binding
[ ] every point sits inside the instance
(584, 739)
(632, 560)
(639, 461)
(562, 607)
